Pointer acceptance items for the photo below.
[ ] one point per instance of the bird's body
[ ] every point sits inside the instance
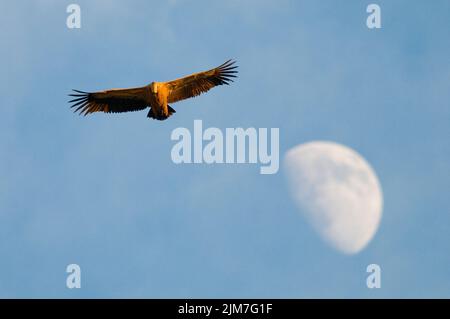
(156, 95)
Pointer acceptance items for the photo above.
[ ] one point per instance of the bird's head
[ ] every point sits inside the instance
(154, 87)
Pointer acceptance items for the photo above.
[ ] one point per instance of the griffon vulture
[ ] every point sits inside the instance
(156, 95)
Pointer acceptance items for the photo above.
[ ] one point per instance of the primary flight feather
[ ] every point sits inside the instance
(156, 95)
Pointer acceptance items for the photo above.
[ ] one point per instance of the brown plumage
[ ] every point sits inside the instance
(156, 95)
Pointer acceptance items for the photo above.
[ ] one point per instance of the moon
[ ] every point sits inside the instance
(337, 191)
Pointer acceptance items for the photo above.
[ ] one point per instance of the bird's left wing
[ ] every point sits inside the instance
(110, 101)
(201, 82)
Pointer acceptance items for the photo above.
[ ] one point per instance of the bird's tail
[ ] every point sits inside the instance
(160, 117)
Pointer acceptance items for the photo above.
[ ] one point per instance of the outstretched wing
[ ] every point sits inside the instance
(198, 83)
(110, 101)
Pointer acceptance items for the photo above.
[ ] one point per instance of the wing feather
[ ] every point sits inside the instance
(198, 83)
(110, 101)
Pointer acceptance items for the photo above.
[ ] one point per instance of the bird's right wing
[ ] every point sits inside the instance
(198, 83)
(110, 101)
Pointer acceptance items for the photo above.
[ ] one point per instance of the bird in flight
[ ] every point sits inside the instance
(156, 95)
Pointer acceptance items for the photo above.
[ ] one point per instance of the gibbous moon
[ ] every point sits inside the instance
(337, 191)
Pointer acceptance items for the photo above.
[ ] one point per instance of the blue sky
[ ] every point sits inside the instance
(102, 192)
